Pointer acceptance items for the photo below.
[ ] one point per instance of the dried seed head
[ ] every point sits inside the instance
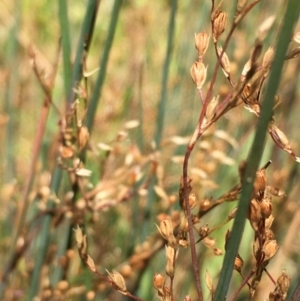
(208, 281)
(254, 214)
(265, 208)
(267, 61)
(238, 263)
(219, 25)
(66, 152)
(192, 201)
(225, 63)
(269, 234)
(270, 248)
(90, 263)
(216, 12)
(281, 140)
(246, 69)
(183, 243)
(205, 204)
(83, 137)
(269, 222)
(283, 283)
(218, 252)
(203, 231)
(209, 242)
(79, 237)
(293, 53)
(117, 280)
(159, 282)
(260, 183)
(165, 228)
(211, 108)
(183, 226)
(198, 74)
(201, 43)
(170, 264)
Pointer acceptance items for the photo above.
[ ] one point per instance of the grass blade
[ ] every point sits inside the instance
(291, 15)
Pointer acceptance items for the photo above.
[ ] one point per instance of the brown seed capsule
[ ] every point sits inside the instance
(225, 63)
(192, 201)
(159, 282)
(267, 61)
(203, 231)
(254, 214)
(218, 252)
(211, 108)
(269, 234)
(281, 140)
(208, 281)
(165, 228)
(265, 208)
(118, 280)
(66, 152)
(219, 25)
(201, 43)
(83, 137)
(205, 204)
(293, 53)
(270, 248)
(170, 264)
(238, 263)
(260, 183)
(283, 283)
(198, 74)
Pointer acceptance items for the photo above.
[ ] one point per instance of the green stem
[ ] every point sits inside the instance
(291, 15)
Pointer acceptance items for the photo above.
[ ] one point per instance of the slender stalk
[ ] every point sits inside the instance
(85, 38)
(291, 15)
(103, 65)
(66, 47)
(84, 42)
(163, 97)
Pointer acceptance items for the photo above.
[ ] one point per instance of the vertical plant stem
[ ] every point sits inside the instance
(83, 46)
(163, 97)
(67, 227)
(291, 15)
(66, 48)
(84, 42)
(103, 65)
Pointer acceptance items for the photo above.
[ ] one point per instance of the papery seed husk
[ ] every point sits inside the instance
(216, 11)
(208, 281)
(198, 74)
(293, 54)
(90, 263)
(238, 263)
(283, 283)
(225, 63)
(118, 280)
(270, 249)
(201, 43)
(219, 25)
(159, 282)
(268, 58)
